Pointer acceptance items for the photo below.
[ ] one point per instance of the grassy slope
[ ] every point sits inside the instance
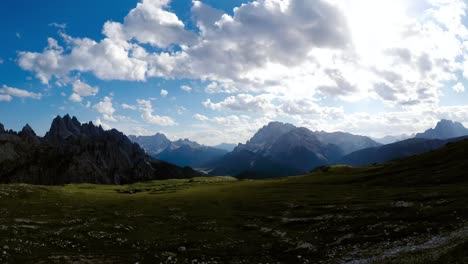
(343, 214)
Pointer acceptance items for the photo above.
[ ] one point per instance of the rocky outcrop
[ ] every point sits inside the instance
(72, 152)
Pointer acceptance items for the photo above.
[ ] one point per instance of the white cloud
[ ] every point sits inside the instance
(5, 98)
(164, 93)
(98, 122)
(108, 60)
(9, 92)
(459, 88)
(129, 107)
(394, 51)
(82, 89)
(281, 57)
(150, 23)
(75, 98)
(200, 117)
(106, 108)
(141, 131)
(146, 110)
(223, 129)
(58, 25)
(186, 88)
(243, 102)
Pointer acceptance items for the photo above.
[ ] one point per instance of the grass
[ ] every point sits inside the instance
(318, 218)
(408, 211)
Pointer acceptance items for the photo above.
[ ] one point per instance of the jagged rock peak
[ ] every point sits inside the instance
(445, 129)
(63, 128)
(268, 134)
(27, 130)
(447, 124)
(28, 134)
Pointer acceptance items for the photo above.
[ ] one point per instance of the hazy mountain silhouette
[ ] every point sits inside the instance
(445, 129)
(182, 152)
(280, 149)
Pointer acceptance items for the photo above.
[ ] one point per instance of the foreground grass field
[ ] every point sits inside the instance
(396, 213)
(319, 218)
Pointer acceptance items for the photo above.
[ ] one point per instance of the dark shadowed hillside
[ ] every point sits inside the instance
(72, 152)
(393, 151)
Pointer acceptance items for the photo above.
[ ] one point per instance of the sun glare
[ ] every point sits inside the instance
(375, 24)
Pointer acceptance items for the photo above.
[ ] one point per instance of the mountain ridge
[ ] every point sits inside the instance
(444, 129)
(282, 149)
(72, 152)
(182, 152)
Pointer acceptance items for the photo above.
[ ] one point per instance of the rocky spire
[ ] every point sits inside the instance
(63, 128)
(28, 134)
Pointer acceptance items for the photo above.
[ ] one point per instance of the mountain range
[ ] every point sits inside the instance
(72, 152)
(280, 149)
(393, 139)
(398, 150)
(182, 152)
(445, 132)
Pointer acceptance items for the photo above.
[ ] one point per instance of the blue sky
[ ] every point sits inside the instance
(216, 71)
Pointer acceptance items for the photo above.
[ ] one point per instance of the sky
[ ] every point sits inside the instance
(217, 71)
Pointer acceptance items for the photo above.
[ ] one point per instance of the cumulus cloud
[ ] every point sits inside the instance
(7, 93)
(5, 97)
(280, 57)
(200, 117)
(106, 108)
(186, 88)
(128, 107)
(82, 89)
(108, 59)
(150, 23)
(459, 88)
(99, 122)
(164, 93)
(75, 98)
(146, 110)
(243, 102)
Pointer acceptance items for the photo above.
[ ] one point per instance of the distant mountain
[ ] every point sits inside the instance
(347, 142)
(394, 151)
(72, 152)
(182, 152)
(444, 129)
(280, 149)
(392, 139)
(153, 145)
(302, 150)
(226, 146)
